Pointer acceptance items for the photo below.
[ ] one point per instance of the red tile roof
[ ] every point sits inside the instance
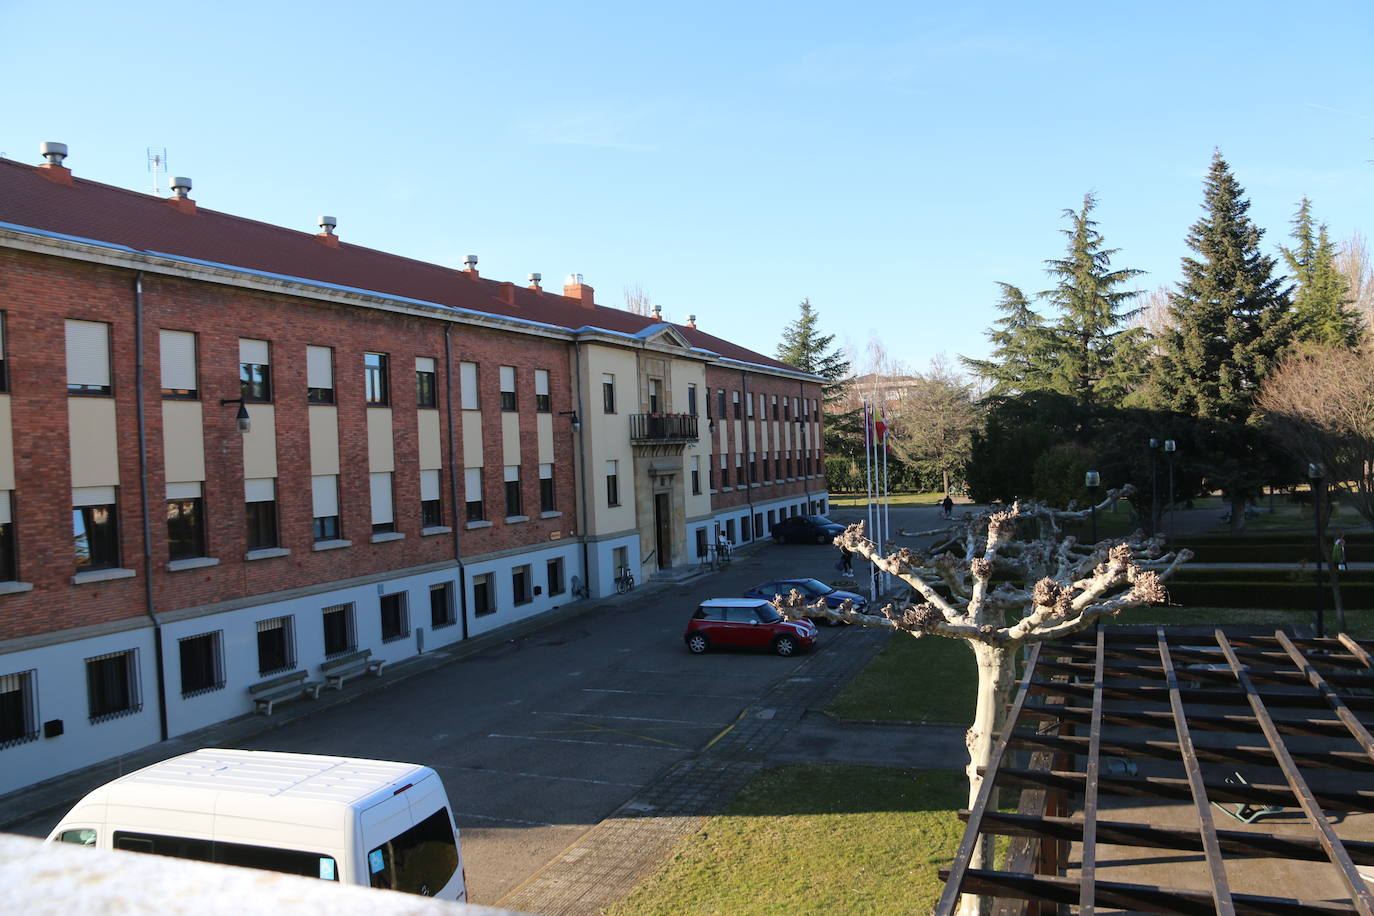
(103, 213)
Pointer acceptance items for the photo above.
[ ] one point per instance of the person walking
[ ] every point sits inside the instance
(1338, 554)
(948, 506)
(846, 564)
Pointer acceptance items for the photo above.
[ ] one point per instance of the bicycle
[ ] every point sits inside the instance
(580, 589)
(625, 581)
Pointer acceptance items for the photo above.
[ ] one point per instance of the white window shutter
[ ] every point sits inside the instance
(88, 353)
(178, 352)
(260, 489)
(253, 351)
(319, 367)
(381, 498)
(467, 385)
(324, 491)
(429, 485)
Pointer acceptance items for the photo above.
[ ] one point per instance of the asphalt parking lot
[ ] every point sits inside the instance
(540, 737)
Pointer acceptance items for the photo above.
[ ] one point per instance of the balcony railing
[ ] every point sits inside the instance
(663, 427)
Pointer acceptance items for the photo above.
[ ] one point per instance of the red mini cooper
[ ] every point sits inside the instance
(751, 623)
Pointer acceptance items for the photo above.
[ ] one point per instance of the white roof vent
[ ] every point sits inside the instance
(470, 262)
(181, 187)
(53, 151)
(327, 224)
(574, 279)
(658, 312)
(535, 278)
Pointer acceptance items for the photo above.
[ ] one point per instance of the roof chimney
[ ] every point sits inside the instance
(326, 234)
(508, 293)
(470, 264)
(574, 288)
(658, 313)
(181, 195)
(53, 169)
(692, 322)
(534, 280)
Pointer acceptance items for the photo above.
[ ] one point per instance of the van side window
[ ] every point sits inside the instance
(82, 836)
(420, 860)
(267, 858)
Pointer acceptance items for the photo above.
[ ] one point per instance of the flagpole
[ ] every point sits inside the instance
(887, 505)
(868, 487)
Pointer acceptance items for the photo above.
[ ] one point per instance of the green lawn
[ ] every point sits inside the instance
(851, 500)
(929, 680)
(815, 839)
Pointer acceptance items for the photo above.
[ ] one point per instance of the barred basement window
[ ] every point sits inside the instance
(18, 708)
(520, 584)
(441, 605)
(395, 620)
(554, 571)
(483, 601)
(112, 689)
(202, 663)
(276, 645)
(339, 637)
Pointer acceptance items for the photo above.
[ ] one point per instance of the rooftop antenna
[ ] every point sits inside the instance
(157, 165)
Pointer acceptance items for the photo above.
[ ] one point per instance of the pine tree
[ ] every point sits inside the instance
(1230, 316)
(1020, 356)
(1093, 362)
(1322, 309)
(804, 347)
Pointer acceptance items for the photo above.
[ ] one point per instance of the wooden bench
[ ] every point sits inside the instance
(345, 666)
(265, 694)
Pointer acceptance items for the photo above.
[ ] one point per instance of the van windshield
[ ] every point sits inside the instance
(420, 860)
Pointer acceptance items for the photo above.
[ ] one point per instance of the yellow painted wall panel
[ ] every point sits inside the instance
(510, 438)
(545, 427)
(183, 441)
(6, 445)
(472, 439)
(324, 440)
(95, 453)
(381, 451)
(260, 444)
(430, 452)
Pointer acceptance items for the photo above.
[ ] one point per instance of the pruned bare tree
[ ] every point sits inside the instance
(1355, 264)
(932, 419)
(1013, 578)
(1320, 404)
(637, 301)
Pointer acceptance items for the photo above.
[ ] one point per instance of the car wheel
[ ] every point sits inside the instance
(785, 646)
(697, 644)
(778, 539)
(823, 538)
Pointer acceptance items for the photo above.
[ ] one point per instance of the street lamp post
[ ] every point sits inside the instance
(1169, 448)
(1315, 473)
(1091, 481)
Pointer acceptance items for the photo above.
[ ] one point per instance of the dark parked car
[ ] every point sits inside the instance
(749, 623)
(813, 589)
(806, 529)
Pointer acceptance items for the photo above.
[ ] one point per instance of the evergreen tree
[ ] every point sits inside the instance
(1322, 309)
(1230, 323)
(804, 347)
(1230, 316)
(1020, 359)
(1093, 361)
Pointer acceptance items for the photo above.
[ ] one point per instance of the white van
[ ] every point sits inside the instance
(375, 823)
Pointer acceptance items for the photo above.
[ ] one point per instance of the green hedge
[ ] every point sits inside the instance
(1269, 595)
(1286, 575)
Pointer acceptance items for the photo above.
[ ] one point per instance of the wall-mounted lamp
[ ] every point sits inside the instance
(572, 415)
(245, 421)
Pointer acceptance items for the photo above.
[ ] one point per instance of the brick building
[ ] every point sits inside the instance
(231, 451)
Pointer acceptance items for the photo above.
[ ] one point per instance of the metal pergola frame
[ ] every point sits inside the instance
(1245, 729)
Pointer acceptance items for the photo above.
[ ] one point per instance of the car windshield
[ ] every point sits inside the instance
(812, 587)
(820, 520)
(768, 614)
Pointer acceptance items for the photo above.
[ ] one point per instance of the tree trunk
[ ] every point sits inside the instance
(989, 718)
(945, 474)
(1238, 514)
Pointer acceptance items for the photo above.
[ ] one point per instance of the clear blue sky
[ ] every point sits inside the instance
(888, 161)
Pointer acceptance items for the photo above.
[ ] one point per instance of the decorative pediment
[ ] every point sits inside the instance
(664, 335)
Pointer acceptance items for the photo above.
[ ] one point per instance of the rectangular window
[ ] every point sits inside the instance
(612, 483)
(276, 645)
(4, 382)
(340, 636)
(441, 605)
(547, 503)
(112, 688)
(608, 393)
(620, 559)
(520, 585)
(730, 530)
(554, 572)
(691, 400)
(425, 394)
(185, 521)
(260, 502)
(319, 375)
(9, 567)
(202, 663)
(376, 389)
(472, 493)
(724, 470)
(654, 405)
(177, 350)
(18, 708)
(739, 467)
(95, 528)
(431, 505)
(696, 474)
(735, 395)
(483, 601)
(786, 409)
(508, 388)
(383, 517)
(324, 494)
(720, 398)
(467, 386)
(88, 357)
(512, 477)
(255, 370)
(744, 528)
(542, 403)
(775, 407)
(395, 620)
(701, 543)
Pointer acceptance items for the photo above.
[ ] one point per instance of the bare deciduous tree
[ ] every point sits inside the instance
(637, 301)
(1355, 264)
(1320, 403)
(933, 419)
(1014, 565)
